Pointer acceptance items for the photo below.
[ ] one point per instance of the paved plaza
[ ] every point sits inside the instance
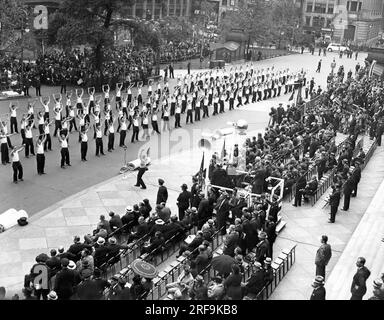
(64, 204)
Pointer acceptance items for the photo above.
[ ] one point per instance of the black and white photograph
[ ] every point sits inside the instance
(198, 151)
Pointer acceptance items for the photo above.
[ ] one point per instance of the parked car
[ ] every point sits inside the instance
(336, 47)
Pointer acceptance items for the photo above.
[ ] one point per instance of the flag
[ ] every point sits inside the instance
(202, 172)
(223, 151)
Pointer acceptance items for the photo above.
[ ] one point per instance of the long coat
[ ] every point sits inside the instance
(358, 287)
(162, 195)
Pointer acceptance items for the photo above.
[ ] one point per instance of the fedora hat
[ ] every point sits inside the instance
(52, 296)
(100, 241)
(112, 240)
(71, 265)
(159, 222)
(262, 235)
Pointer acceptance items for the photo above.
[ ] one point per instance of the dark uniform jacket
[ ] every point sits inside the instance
(334, 199)
(162, 195)
(184, 199)
(358, 287)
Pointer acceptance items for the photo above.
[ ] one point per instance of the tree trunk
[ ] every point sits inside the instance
(99, 56)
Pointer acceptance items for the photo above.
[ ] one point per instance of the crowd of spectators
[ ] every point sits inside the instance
(76, 67)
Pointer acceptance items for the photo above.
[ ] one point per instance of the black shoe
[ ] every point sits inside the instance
(143, 187)
(69, 165)
(136, 185)
(103, 154)
(15, 182)
(295, 205)
(98, 155)
(330, 221)
(344, 209)
(21, 179)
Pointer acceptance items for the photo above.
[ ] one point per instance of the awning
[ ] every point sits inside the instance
(230, 45)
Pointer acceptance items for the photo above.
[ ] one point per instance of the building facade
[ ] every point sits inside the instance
(359, 21)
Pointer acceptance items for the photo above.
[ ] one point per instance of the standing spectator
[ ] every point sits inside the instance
(262, 248)
(318, 292)
(189, 67)
(65, 281)
(2, 293)
(233, 284)
(162, 193)
(334, 201)
(358, 287)
(319, 66)
(323, 255)
(202, 258)
(183, 201)
(356, 178)
(348, 188)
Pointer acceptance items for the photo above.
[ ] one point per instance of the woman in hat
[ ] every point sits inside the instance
(318, 292)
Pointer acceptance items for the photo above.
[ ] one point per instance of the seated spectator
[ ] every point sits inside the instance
(128, 218)
(198, 240)
(155, 244)
(76, 248)
(115, 222)
(173, 228)
(198, 291)
(184, 282)
(216, 290)
(65, 254)
(101, 253)
(141, 231)
(54, 262)
(164, 212)
(86, 255)
(202, 259)
(103, 224)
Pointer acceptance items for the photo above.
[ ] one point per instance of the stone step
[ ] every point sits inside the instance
(281, 225)
(365, 242)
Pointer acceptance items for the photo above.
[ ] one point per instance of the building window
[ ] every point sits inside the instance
(320, 7)
(353, 6)
(330, 8)
(308, 21)
(309, 7)
(224, 2)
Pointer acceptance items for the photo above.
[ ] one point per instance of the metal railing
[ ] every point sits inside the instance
(283, 265)
(174, 269)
